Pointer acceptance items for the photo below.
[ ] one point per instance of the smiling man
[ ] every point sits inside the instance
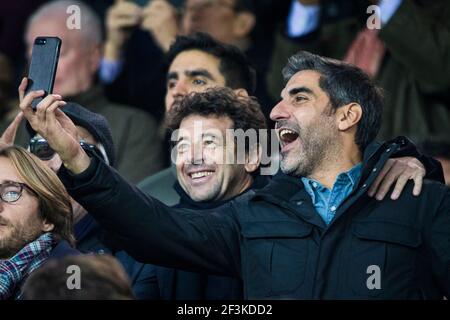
(208, 176)
(198, 63)
(206, 146)
(298, 237)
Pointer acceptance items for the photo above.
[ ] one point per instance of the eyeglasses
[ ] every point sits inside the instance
(12, 191)
(41, 149)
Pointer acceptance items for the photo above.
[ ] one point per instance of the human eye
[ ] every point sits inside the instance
(11, 193)
(171, 84)
(199, 82)
(182, 147)
(210, 142)
(300, 98)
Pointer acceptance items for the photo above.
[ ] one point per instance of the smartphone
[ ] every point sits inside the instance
(44, 61)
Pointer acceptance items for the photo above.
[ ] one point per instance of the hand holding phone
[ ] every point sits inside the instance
(43, 65)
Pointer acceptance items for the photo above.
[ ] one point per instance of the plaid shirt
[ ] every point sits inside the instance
(15, 270)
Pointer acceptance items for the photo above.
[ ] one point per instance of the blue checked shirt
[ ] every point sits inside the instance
(327, 201)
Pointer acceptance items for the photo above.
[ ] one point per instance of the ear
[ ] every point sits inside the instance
(348, 116)
(244, 23)
(46, 226)
(253, 160)
(241, 92)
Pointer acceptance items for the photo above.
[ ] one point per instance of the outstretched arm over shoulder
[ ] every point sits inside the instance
(152, 232)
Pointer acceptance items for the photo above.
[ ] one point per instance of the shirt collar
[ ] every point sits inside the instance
(353, 175)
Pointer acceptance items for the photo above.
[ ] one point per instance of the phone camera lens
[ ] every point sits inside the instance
(41, 41)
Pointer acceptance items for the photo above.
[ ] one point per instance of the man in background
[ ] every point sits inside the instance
(138, 146)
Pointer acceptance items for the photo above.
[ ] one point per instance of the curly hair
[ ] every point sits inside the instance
(244, 111)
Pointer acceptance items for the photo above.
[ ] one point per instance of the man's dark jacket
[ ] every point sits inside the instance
(175, 284)
(274, 240)
(92, 238)
(63, 249)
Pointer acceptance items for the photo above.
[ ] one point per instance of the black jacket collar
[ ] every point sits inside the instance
(284, 188)
(62, 249)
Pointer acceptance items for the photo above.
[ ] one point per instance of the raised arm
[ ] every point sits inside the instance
(150, 231)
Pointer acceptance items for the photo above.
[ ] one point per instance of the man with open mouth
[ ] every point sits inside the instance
(313, 232)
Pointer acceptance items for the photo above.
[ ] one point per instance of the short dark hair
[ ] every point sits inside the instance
(244, 111)
(103, 278)
(234, 65)
(344, 84)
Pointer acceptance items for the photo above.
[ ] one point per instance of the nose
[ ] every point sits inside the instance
(279, 112)
(180, 90)
(196, 153)
(175, 94)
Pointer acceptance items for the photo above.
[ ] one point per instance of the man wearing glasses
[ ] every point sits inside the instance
(35, 219)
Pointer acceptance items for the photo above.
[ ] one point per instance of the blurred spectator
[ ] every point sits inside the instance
(197, 63)
(134, 132)
(439, 149)
(35, 219)
(137, 39)
(407, 57)
(95, 134)
(101, 278)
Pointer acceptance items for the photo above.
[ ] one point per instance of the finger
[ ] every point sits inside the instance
(399, 186)
(22, 88)
(380, 177)
(66, 123)
(123, 22)
(126, 8)
(157, 6)
(25, 104)
(50, 111)
(418, 183)
(9, 136)
(50, 116)
(386, 184)
(51, 126)
(44, 105)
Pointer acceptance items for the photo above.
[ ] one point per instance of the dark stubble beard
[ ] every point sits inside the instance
(19, 236)
(319, 145)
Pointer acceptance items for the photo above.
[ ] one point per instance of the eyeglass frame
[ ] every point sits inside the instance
(22, 187)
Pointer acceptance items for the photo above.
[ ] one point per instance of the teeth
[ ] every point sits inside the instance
(286, 131)
(201, 174)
